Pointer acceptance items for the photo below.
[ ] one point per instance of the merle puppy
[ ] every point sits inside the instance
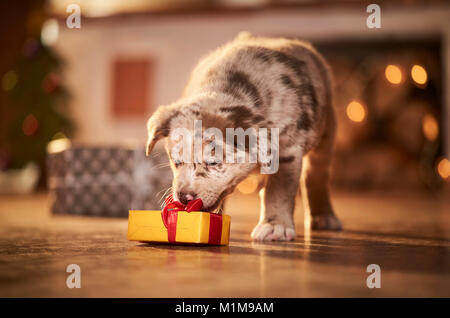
(255, 82)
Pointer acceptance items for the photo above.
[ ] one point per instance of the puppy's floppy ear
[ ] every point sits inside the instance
(158, 126)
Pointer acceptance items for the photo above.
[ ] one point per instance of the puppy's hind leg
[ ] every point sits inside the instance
(319, 214)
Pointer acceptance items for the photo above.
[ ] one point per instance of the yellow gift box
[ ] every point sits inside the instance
(184, 227)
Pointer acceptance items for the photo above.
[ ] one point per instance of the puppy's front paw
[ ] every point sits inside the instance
(324, 223)
(272, 232)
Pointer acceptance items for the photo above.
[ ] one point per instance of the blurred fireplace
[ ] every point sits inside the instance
(389, 102)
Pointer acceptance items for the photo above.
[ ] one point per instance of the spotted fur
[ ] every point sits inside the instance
(256, 83)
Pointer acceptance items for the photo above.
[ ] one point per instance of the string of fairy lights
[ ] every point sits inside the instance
(357, 112)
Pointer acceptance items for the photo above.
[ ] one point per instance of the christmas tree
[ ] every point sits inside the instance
(33, 101)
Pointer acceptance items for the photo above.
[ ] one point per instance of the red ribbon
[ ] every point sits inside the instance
(170, 214)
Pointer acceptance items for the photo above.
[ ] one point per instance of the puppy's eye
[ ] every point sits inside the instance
(213, 163)
(177, 163)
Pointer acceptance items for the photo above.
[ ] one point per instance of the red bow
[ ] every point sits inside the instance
(176, 206)
(170, 214)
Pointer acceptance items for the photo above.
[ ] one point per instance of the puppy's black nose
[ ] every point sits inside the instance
(186, 197)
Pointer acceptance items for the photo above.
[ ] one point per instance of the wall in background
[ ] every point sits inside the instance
(176, 42)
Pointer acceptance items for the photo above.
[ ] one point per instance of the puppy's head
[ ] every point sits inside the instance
(203, 174)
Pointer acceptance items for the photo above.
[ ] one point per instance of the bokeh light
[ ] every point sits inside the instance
(430, 127)
(30, 125)
(393, 74)
(248, 185)
(356, 111)
(419, 74)
(50, 83)
(50, 32)
(59, 143)
(9, 80)
(443, 168)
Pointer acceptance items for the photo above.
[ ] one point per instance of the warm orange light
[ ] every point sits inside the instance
(419, 74)
(248, 185)
(356, 111)
(430, 127)
(393, 74)
(30, 125)
(443, 168)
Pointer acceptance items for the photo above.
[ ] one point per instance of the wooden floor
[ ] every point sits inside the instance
(407, 235)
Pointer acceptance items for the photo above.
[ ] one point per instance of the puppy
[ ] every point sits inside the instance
(255, 82)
